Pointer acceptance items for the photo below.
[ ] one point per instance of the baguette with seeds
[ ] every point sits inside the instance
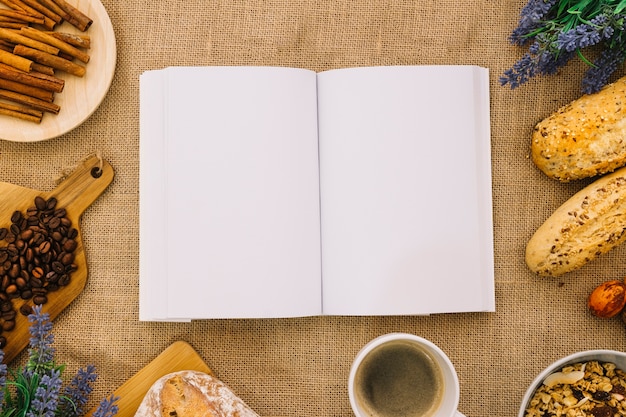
(584, 138)
(590, 223)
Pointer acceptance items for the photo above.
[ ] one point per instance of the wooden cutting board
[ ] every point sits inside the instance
(75, 193)
(179, 356)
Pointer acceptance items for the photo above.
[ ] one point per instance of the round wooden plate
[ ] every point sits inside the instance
(81, 95)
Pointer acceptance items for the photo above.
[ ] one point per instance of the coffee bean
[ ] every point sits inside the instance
(38, 258)
(37, 272)
(25, 309)
(69, 245)
(52, 277)
(8, 325)
(21, 282)
(51, 203)
(64, 280)
(17, 217)
(67, 258)
(40, 203)
(9, 315)
(14, 272)
(27, 234)
(58, 267)
(44, 247)
(54, 223)
(40, 299)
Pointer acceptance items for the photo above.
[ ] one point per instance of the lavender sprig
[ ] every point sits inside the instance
(107, 407)
(3, 376)
(531, 17)
(77, 392)
(558, 30)
(41, 351)
(46, 399)
(36, 390)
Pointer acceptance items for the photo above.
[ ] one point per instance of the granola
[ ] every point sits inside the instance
(586, 389)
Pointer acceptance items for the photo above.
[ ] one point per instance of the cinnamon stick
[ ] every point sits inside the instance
(21, 112)
(44, 69)
(12, 25)
(15, 61)
(11, 4)
(30, 101)
(74, 16)
(41, 8)
(53, 7)
(21, 16)
(43, 81)
(17, 38)
(56, 43)
(50, 60)
(47, 22)
(28, 90)
(77, 40)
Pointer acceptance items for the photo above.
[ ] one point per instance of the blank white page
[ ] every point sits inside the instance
(152, 175)
(243, 193)
(405, 190)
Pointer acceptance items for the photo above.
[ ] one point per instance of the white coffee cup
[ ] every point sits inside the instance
(403, 375)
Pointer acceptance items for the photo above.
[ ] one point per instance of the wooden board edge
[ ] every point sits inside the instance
(178, 356)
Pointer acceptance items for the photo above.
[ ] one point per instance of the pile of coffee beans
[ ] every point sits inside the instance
(38, 258)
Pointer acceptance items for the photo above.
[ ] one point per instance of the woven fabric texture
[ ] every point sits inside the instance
(299, 367)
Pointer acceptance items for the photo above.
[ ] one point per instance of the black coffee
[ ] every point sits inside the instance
(399, 379)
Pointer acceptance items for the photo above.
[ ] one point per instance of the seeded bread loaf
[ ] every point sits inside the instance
(590, 223)
(192, 394)
(584, 138)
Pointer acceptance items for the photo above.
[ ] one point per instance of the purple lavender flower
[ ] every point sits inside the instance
(520, 73)
(36, 388)
(41, 352)
(530, 19)
(579, 37)
(538, 60)
(558, 30)
(107, 407)
(76, 394)
(3, 375)
(598, 75)
(46, 399)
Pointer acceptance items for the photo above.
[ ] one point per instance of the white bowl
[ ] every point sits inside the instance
(618, 358)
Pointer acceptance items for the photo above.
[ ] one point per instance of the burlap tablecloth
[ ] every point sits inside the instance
(299, 367)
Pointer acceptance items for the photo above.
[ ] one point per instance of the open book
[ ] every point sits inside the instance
(281, 192)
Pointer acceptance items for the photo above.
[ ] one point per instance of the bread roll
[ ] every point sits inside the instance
(192, 394)
(590, 223)
(584, 138)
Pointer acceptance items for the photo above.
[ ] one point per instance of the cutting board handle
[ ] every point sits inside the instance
(83, 185)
